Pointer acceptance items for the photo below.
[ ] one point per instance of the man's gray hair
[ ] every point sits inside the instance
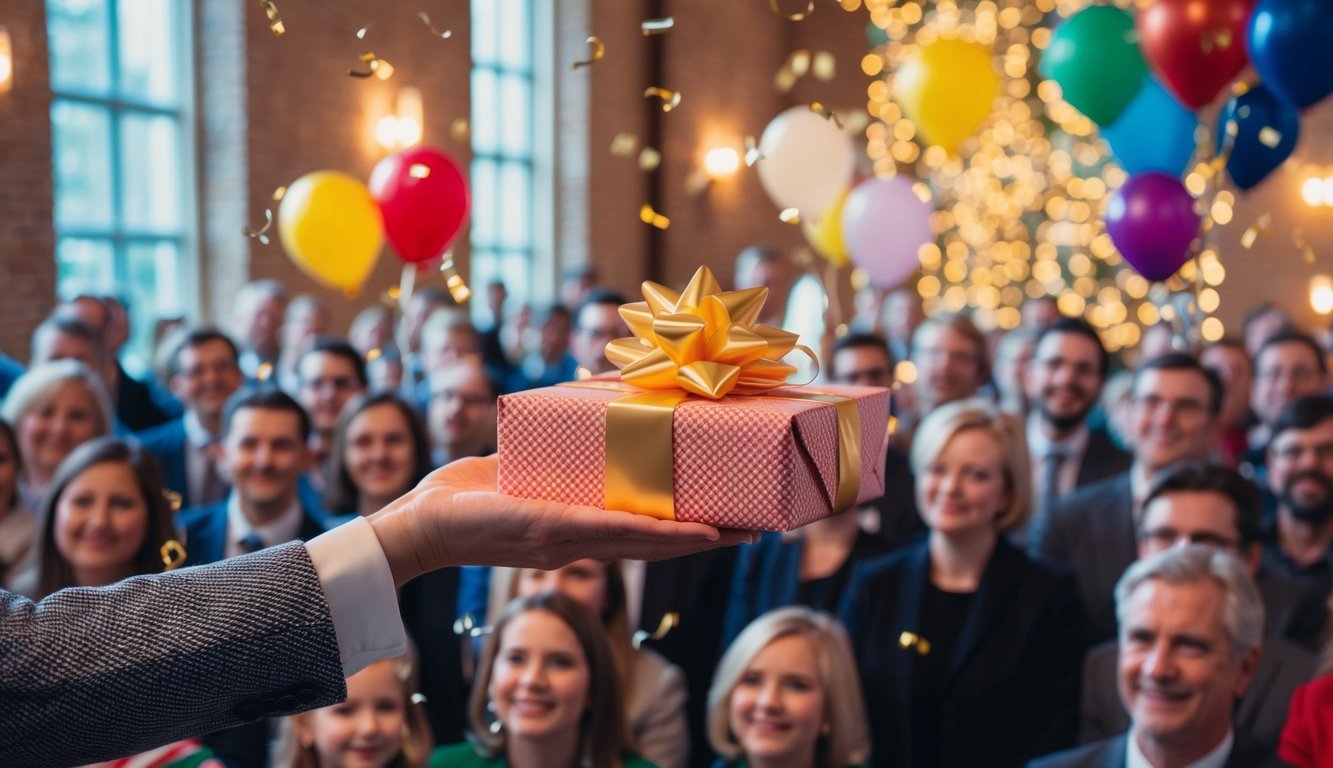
(1243, 612)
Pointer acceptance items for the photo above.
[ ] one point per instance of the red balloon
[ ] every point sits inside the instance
(1197, 46)
(424, 199)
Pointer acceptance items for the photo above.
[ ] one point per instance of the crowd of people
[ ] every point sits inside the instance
(1079, 560)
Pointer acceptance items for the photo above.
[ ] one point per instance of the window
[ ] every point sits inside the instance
(120, 120)
(511, 229)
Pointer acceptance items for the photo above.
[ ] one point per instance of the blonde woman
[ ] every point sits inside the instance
(786, 694)
(969, 652)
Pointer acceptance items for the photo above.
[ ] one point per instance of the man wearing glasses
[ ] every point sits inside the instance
(1288, 366)
(1092, 530)
(1298, 540)
(1198, 503)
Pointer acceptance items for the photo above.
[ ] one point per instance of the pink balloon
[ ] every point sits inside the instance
(884, 225)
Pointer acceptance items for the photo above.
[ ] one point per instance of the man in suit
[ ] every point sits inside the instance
(204, 371)
(862, 359)
(264, 452)
(276, 632)
(596, 323)
(1199, 503)
(1298, 540)
(328, 375)
(1175, 402)
(256, 322)
(1290, 365)
(1191, 623)
(1064, 382)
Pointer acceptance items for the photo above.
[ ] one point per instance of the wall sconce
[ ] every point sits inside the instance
(6, 61)
(1321, 294)
(403, 128)
(1318, 192)
(719, 163)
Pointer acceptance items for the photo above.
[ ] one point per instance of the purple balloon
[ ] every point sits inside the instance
(884, 224)
(1151, 220)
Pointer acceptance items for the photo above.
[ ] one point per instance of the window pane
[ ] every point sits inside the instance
(517, 268)
(147, 50)
(80, 50)
(86, 262)
(150, 173)
(153, 287)
(81, 138)
(515, 206)
(484, 111)
(482, 269)
(515, 115)
(515, 47)
(485, 223)
(485, 21)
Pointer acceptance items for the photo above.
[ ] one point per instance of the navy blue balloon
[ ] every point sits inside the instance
(1154, 133)
(1291, 47)
(1266, 132)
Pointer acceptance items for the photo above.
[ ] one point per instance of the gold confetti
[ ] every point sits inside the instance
(826, 113)
(825, 66)
(279, 193)
(375, 66)
(598, 51)
(1298, 237)
(274, 20)
(670, 99)
(797, 16)
(914, 641)
(669, 621)
(264, 372)
(260, 234)
(459, 129)
(649, 159)
(362, 32)
(752, 153)
(1261, 227)
(374, 354)
(454, 281)
(425, 19)
(1270, 137)
(648, 216)
(173, 555)
(624, 144)
(790, 216)
(657, 26)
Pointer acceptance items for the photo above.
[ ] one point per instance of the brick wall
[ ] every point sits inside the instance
(27, 239)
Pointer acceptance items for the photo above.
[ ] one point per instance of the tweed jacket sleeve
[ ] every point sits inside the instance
(94, 674)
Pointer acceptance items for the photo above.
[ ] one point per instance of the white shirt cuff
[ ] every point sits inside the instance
(358, 587)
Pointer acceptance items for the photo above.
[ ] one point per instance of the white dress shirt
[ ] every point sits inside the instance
(358, 587)
(1217, 758)
(287, 526)
(1071, 448)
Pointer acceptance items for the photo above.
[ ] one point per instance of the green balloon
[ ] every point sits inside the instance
(1094, 56)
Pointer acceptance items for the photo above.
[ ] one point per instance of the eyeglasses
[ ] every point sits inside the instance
(469, 399)
(1323, 452)
(869, 377)
(1078, 369)
(1163, 538)
(1182, 407)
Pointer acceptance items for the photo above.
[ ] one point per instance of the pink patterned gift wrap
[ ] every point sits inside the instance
(762, 462)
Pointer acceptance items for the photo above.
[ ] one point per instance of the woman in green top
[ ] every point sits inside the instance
(786, 693)
(547, 694)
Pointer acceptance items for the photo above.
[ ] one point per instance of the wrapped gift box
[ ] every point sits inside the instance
(760, 462)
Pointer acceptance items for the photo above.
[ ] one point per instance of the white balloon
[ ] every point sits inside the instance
(807, 161)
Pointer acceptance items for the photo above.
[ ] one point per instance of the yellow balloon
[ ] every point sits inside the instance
(825, 233)
(331, 228)
(946, 89)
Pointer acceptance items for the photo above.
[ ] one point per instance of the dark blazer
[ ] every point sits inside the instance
(248, 638)
(167, 444)
(135, 406)
(428, 604)
(1101, 459)
(899, 520)
(1112, 752)
(1012, 692)
(1293, 608)
(695, 587)
(1263, 709)
(768, 576)
(1091, 532)
(205, 531)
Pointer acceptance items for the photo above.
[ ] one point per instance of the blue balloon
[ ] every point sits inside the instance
(1266, 133)
(1291, 47)
(1154, 133)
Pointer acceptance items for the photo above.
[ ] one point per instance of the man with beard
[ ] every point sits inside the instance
(1175, 402)
(1299, 538)
(1064, 381)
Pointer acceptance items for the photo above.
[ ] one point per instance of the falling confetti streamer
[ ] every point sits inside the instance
(275, 24)
(797, 16)
(657, 26)
(752, 153)
(669, 621)
(651, 217)
(790, 216)
(362, 32)
(1298, 237)
(1261, 227)
(442, 34)
(670, 99)
(260, 234)
(826, 113)
(598, 49)
(375, 67)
